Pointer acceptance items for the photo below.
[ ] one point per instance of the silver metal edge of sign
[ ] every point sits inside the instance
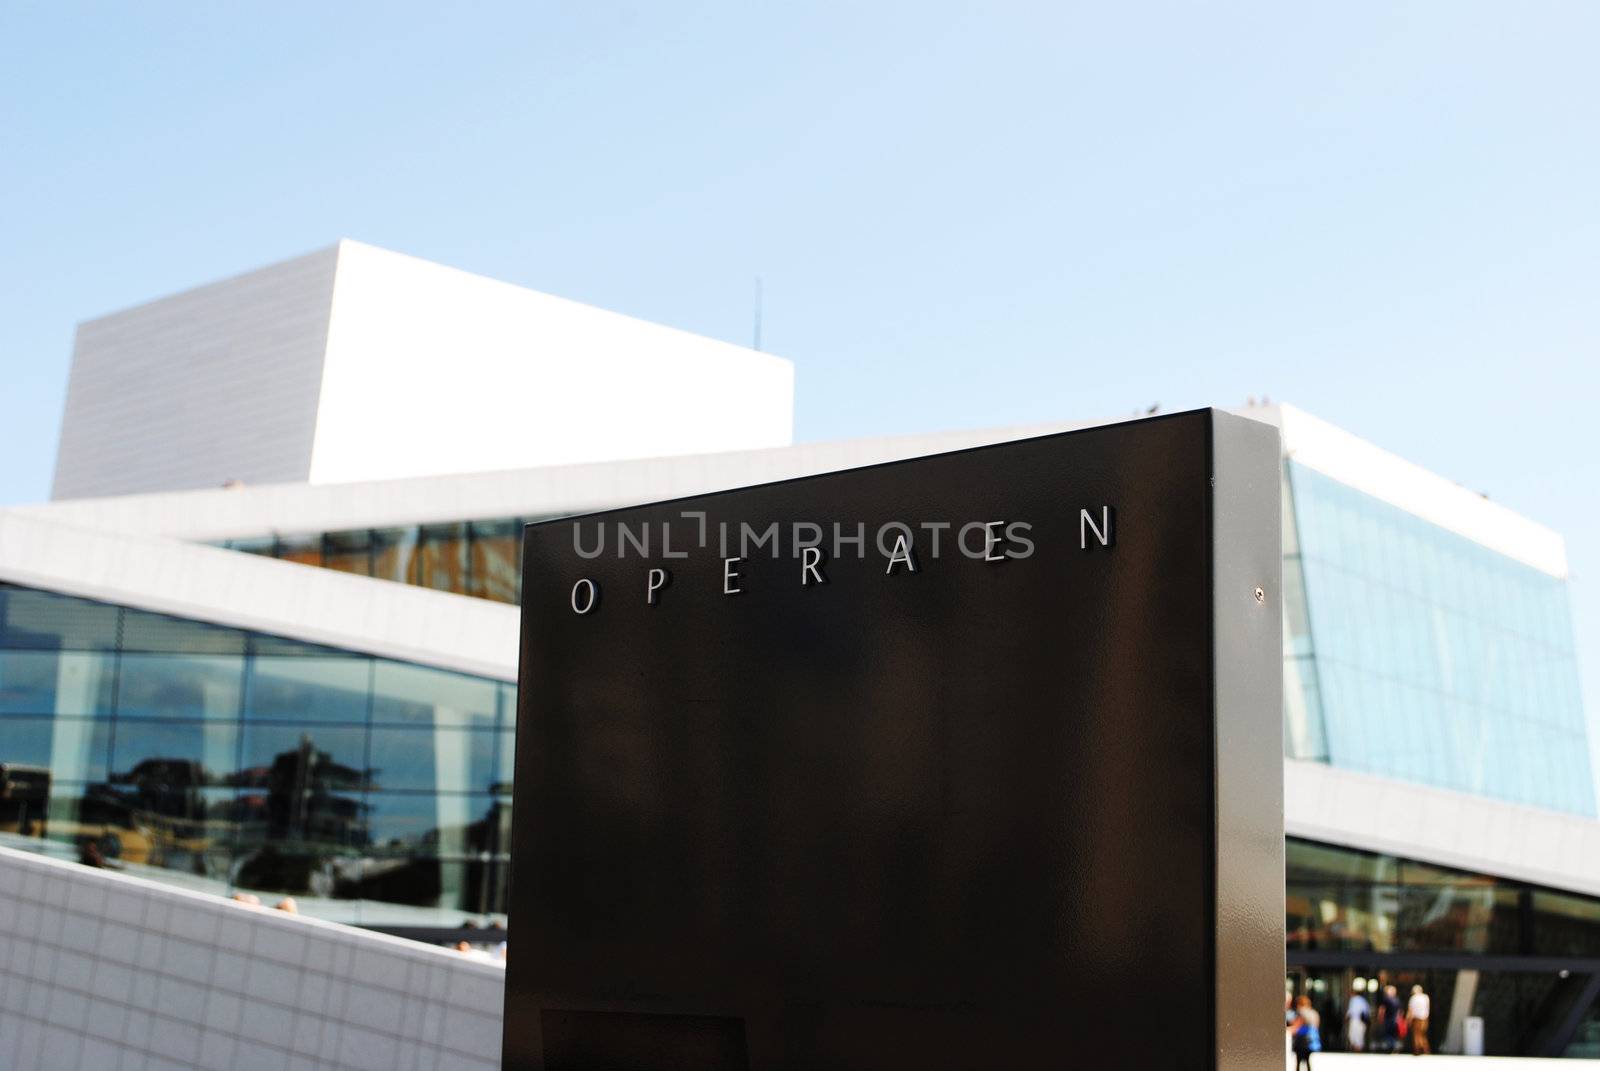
(1247, 667)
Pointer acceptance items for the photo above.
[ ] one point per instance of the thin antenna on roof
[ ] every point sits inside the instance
(757, 344)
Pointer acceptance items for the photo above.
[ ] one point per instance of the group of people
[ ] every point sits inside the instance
(1378, 1025)
(1388, 1027)
(496, 942)
(286, 905)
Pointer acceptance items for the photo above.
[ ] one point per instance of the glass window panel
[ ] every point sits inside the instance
(1291, 538)
(304, 549)
(180, 754)
(409, 879)
(162, 819)
(264, 545)
(1320, 863)
(179, 827)
(187, 830)
(1340, 898)
(1585, 1043)
(303, 783)
(433, 760)
(420, 695)
(1302, 710)
(308, 688)
(309, 871)
(1454, 918)
(505, 762)
(442, 557)
(1565, 925)
(143, 631)
(73, 811)
(317, 818)
(293, 758)
(43, 621)
(496, 899)
(56, 682)
(1297, 625)
(495, 560)
(448, 825)
(1511, 1005)
(348, 552)
(56, 749)
(394, 554)
(178, 780)
(454, 885)
(260, 643)
(1329, 917)
(1405, 618)
(25, 791)
(179, 686)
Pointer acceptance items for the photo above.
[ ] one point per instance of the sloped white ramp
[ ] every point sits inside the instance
(105, 972)
(357, 613)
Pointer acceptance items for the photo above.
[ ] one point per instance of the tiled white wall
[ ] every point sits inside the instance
(105, 972)
(217, 383)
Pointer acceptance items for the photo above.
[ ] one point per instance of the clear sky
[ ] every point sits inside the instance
(965, 215)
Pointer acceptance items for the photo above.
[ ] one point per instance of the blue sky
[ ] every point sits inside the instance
(964, 214)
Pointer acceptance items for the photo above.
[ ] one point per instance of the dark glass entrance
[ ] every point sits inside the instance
(1524, 959)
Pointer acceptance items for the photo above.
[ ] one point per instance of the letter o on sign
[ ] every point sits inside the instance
(584, 596)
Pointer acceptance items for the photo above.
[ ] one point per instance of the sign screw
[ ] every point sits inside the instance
(1261, 596)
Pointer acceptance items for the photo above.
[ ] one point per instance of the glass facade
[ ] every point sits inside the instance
(477, 558)
(1342, 900)
(1353, 915)
(1410, 651)
(1416, 653)
(369, 789)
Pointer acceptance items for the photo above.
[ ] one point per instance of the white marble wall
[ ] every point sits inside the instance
(112, 973)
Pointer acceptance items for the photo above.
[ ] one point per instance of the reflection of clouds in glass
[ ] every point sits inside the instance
(420, 695)
(444, 760)
(1427, 657)
(179, 686)
(56, 682)
(309, 689)
(71, 749)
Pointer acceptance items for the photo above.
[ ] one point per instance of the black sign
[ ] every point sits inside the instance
(966, 761)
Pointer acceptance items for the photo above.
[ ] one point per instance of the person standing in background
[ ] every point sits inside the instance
(1305, 1035)
(1389, 1013)
(1357, 1014)
(1417, 1011)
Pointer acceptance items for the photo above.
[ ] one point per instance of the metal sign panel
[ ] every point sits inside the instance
(968, 760)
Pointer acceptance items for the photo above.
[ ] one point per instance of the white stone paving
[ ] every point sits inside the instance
(103, 971)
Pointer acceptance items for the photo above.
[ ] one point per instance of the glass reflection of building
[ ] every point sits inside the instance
(253, 762)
